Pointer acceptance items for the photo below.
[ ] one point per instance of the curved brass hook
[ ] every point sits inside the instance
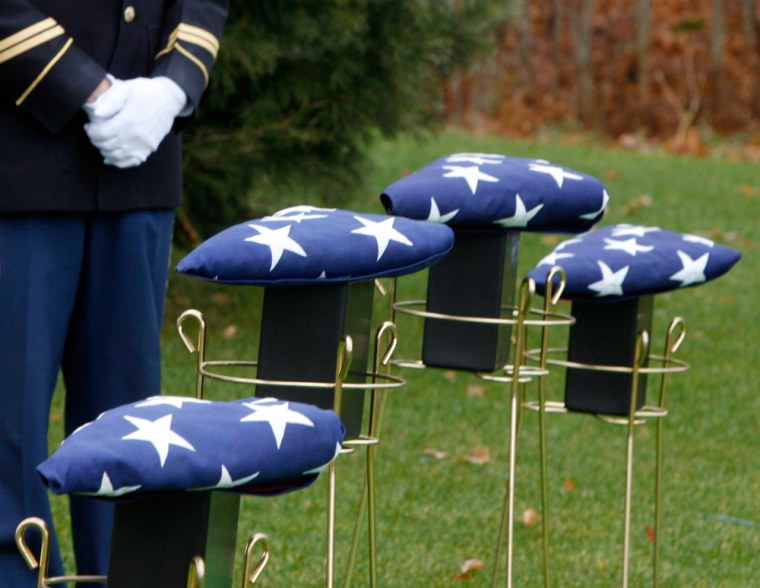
(26, 552)
(196, 314)
(199, 347)
(196, 575)
(385, 358)
(345, 351)
(551, 295)
(250, 573)
(527, 290)
(677, 329)
(343, 363)
(642, 348)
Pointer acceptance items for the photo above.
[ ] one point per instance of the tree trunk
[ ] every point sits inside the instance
(750, 33)
(581, 29)
(748, 25)
(719, 93)
(643, 41)
(558, 59)
(525, 49)
(718, 36)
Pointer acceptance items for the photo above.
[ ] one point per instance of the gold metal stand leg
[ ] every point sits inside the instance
(357, 531)
(513, 428)
(555, 285)
(367, 504)
(330, 579)
(640, 356)
(368, 494)
(500, 541)
(675, 336)
(507, 524)
(527, 288)
(372, 514)
(657, 489)
(628, 488)
(342, 366)
(544, 481)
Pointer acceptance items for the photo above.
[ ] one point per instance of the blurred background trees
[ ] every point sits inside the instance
(665, 70)
(302, 87)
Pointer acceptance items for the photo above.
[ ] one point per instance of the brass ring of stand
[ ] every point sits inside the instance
(526, 373)
(209, 370)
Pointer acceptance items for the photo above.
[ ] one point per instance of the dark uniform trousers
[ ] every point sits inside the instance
(84, 247)
(92, 303)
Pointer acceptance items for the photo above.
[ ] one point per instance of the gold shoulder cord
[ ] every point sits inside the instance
(29, 38)
(44, 72)
(195, 36)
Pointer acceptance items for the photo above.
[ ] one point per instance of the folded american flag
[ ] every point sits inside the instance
(303, 244)
(624, 261)
(483, 191)
(175, 444)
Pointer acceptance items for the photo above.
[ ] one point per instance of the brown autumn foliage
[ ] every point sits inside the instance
(690, 70)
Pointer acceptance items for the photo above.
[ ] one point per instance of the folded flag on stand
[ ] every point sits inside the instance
(625, 261)
(481, 191)
(304, 244)
(169, 444)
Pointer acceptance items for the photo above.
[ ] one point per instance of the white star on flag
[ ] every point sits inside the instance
(278, 415)
(700, 240)
(556, 172)
(626, 230)
(226, 481)
(107, 489)
(297, 218)
(611, 283)
(298, 214)
(158, 433)
(693, 271)
(471, 174)
(277, 240)
(435, 215)
(476, 158)
(382, 231)
(593, 215)
(522, 217)
(175, 401)
(629, 246)
(553, 257)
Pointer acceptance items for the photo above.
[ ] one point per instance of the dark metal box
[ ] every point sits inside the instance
(301, 328)
(477, 278)
(605, 333)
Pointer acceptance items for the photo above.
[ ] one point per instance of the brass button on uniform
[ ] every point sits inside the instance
(129, 14)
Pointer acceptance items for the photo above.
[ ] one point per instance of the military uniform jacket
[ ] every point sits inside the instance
(53, 54)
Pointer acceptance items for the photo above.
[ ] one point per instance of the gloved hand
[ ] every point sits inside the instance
(130, 119)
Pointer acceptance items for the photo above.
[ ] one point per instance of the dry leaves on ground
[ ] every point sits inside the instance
(476, 391)
(467, 569)
(478, 456)
(530, 517)
(434, 453)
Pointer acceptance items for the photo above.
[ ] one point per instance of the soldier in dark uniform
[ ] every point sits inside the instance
(90, 175)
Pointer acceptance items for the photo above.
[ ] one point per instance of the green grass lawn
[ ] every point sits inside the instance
(438, 510)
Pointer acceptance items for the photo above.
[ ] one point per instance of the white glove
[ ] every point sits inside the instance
(130, 119)
(89, 107)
